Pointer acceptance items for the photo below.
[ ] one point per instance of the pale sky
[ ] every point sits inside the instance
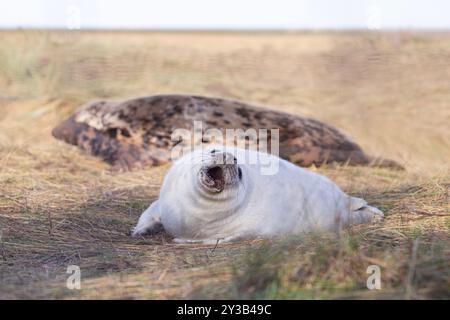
(226, 14)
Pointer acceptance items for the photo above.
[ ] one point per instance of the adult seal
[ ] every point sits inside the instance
(219, 194)
(139, 131)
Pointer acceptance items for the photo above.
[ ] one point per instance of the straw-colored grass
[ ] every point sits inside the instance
(60, 207)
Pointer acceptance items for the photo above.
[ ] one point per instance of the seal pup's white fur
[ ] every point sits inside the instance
(213, 194)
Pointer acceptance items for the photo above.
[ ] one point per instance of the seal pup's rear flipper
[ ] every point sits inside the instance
(361, 212)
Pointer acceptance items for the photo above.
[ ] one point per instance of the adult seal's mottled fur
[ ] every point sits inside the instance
(138, 131)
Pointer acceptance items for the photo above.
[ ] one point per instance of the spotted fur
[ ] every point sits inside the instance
(138, 131)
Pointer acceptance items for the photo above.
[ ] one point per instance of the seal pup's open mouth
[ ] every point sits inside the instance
(221, 171)
(213, 178)
(215, 173)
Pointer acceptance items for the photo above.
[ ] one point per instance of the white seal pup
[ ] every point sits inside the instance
(219, 193)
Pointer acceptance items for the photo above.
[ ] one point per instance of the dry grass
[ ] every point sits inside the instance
(60, 207)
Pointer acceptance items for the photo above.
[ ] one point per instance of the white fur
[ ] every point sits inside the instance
(292, 201)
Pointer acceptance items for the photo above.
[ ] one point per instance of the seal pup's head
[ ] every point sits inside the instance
(219, 170)
(206, 176)
(203, 193)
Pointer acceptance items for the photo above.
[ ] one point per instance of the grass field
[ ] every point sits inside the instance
(60, 207)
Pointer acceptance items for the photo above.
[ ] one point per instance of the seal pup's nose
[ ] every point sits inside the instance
(220, 157)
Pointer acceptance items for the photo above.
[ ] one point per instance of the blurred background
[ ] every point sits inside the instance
(378, 70)
(232, 14)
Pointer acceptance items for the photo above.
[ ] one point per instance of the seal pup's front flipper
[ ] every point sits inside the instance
(149, 222)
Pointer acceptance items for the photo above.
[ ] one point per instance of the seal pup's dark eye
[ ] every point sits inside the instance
(240, 173)
(213, 151)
